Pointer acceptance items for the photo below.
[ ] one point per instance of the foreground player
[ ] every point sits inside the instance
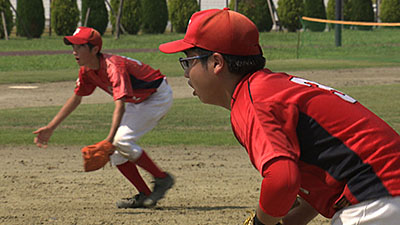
(304, 138)
(141, 96)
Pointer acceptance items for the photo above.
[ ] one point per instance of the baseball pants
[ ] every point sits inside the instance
(137, 120)
(382, 211)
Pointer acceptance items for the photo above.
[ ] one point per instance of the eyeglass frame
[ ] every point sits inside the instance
(182, 61)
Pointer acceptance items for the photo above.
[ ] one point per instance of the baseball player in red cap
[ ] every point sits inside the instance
(141, 96)
(317, 149)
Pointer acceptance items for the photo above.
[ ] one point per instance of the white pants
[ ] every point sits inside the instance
(382, 211)
(137, 120)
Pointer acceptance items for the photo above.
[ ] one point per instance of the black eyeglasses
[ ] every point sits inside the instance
(185, 61)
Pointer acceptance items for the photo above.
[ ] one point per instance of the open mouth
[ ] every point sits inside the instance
(194, 91)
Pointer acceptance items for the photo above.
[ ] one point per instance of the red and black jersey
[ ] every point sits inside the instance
(342, 149)
(120, 77)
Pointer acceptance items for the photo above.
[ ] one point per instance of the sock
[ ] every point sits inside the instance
(131, 173)
(146, 163)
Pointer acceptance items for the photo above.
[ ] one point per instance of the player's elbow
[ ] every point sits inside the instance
(279, 187)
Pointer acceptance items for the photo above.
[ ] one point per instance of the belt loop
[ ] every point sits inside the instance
(342, 203)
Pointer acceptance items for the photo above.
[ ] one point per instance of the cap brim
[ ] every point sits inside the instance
(71, 40)
(175, 46)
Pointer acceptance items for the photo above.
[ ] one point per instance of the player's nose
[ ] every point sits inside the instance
(186, 74)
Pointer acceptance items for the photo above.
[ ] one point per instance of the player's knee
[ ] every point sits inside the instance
(130, 151)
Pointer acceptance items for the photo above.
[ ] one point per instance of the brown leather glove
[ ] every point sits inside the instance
(97, 155)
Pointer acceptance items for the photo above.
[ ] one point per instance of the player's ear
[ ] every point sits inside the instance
(95, 50)
(217, 61)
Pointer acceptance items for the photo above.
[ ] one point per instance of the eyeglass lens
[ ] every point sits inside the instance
(185, 64)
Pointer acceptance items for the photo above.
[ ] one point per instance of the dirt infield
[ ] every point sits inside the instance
(47, 186)
(47, 94)
(215, 185)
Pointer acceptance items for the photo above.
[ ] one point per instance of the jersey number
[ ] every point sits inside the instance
(308, 83)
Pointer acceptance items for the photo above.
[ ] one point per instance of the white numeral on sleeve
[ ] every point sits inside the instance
(308, 83)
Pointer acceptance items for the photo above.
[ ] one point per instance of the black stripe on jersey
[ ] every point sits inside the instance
(321, 149)
(141, 84)
(248, 87)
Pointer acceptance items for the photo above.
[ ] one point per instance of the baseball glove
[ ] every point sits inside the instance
(97, 155)
(250, 219)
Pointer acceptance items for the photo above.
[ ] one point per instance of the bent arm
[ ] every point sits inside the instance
(65, 111)
(279, 190)
(44, 133)
(118, 113)
(301, 214)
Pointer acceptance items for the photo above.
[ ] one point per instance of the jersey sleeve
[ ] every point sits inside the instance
(121, 86)
(274, 132)
(133, 79)
(84, 86)
(279, 187)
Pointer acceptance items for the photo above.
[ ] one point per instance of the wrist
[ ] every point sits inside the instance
(51, 127)
(109, 139)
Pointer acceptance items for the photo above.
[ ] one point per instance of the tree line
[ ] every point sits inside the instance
(152, 16)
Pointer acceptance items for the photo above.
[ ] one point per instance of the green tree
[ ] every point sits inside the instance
(155, 16)
(180, 12)
(390, 11)
(98, 15)
(5, 6)
(131, 15)
(331, 12)
(290, 12)
(30, 20)
(361, 10)
(64, 16)
(314, 9)
(257, 11)
(347, 11)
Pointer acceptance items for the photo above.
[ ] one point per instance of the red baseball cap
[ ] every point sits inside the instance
(84, 35)
(224, 31)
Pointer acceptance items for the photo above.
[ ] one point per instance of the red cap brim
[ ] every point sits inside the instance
(69, 40)
(175, 46)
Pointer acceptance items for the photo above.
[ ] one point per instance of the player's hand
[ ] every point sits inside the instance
(43, 136)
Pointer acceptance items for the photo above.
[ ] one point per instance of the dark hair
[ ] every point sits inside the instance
(241, 65)
(92, 46)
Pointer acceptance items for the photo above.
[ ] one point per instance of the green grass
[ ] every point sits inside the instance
(168, 65)
(189, 122)
(55, 42)
(360, 49)
(380, 45)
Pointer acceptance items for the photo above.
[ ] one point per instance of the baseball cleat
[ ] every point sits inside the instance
(135, 202)
(161, 186)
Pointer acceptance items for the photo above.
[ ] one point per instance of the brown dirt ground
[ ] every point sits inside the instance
(215, 185)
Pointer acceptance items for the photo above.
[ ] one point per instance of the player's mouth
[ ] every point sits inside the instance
(77, 59)
(194, 91)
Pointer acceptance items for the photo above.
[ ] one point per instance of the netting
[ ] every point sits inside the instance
(358, 40)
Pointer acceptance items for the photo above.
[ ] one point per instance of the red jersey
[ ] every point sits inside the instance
(342, 149)
(120, 77)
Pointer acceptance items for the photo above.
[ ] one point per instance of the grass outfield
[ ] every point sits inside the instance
(184, 125)
(189, 122)
(360, 49)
